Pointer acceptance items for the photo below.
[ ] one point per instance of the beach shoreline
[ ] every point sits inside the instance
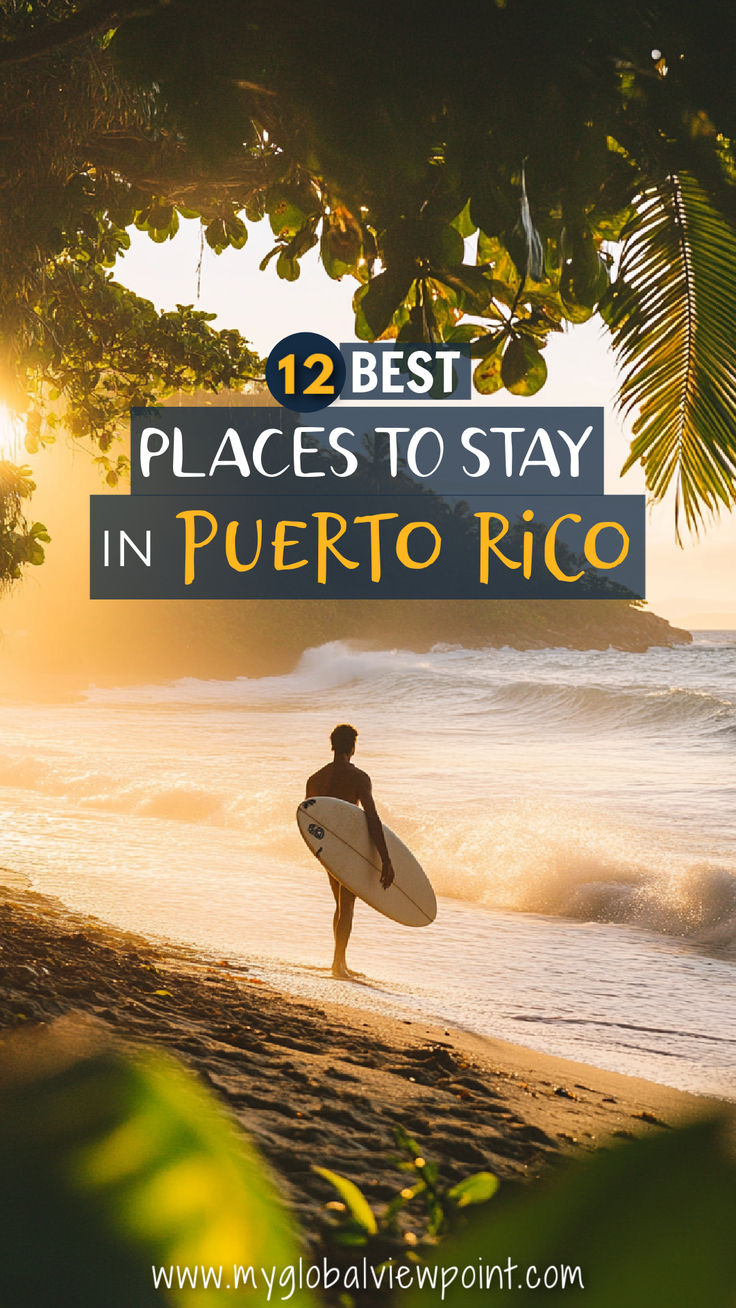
(322, 1084)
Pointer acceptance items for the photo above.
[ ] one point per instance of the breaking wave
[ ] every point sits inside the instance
(587, 785)
(477, 681)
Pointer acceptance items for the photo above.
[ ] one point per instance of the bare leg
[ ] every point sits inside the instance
(342, 925)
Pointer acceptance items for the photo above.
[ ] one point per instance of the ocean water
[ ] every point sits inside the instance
(575, 812)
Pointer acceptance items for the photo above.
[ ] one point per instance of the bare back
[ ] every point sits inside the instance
(341, 780)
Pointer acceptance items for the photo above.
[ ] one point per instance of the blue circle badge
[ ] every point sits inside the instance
(305, 372)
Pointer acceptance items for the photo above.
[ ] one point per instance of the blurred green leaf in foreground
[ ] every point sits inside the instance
(111, 1162)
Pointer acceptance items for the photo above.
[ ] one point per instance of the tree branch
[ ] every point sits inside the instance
(99, 16)
(167, 169)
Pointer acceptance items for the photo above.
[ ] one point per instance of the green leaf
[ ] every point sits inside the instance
(486, 341)
(236, 231)
(353, 1198)
(574, 312)
(216, 236)
(287, 268)
(523, 369)
(492, 207)
(473, 288)
(476, 1189)
(613, 209)
(289, 206)
(445, 245)
(487, 377)
(672, 314)
(377, 302)
(464, 333)
(492, 254)
(464, 222)
(124, 1160)
(160, 216)
(648, 1223)
(341, 246)
(255, 208)
(584, 279)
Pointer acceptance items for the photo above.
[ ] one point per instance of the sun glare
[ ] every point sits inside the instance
(11, 435)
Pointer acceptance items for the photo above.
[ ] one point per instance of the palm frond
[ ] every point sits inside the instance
(672, 314)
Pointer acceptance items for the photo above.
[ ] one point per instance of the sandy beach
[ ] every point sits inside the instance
(321, 1085)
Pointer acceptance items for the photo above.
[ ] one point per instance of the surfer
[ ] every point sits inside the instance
(342, 780)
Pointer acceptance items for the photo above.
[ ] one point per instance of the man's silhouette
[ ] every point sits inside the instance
(343, 780)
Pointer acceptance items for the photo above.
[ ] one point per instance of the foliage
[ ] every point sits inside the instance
(379, 1235)
(471, 177)
(77, 349)
(676, 345)
(117, 352)
(21, 542)
(650, 1223)
(442, 143)
(118, 1161)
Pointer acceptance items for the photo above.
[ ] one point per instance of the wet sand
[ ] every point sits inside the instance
(321, 1085)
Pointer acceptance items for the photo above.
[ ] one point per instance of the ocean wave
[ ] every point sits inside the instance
(320, 669)
(698, 903)
(555, 861)
(619, 709)
(519, 856)
(565, 689)
(178, 801)
(561, 782)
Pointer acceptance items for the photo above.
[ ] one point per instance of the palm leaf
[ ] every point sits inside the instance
(672, 314)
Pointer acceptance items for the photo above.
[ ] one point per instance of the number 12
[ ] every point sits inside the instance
(319, 386)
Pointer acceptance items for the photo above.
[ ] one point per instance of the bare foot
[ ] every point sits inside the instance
(342, 972)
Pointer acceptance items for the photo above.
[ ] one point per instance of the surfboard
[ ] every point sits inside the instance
(337, 834)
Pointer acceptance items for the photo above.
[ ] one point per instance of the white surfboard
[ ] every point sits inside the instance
(337, 834)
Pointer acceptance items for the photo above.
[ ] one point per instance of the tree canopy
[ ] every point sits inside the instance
(586, 149)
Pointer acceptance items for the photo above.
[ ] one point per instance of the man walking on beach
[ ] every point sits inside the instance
(342, 780)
